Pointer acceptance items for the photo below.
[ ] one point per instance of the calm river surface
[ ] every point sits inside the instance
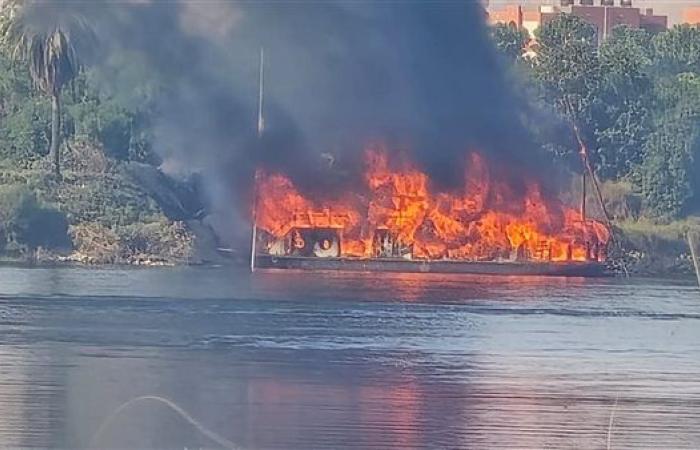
(302, 361)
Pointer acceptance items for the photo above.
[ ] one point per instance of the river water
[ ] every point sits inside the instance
(302, 361)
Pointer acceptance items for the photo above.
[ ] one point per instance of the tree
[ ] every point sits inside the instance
(26, 222)
(48, 42)
(605, 92)
(666, 176)
(24, 117)
(677, 50)
(509, 40)
(624, 118)
(567, 69)
(678, 97)
(634, 101)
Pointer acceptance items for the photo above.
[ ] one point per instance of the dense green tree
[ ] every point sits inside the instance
(678, 97)
(509, 40)
(24, 117)
(123, 131)
(567, 70)
(677, 50)
(635, 100)
(666, 177)
(48, 45)
(625, 102)
(26, 223)
(24, 132)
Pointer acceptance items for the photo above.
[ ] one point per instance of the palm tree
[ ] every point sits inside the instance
(46, 39)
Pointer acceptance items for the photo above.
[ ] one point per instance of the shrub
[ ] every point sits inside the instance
(161, 239)
(95, 244)
(27, 224)
(156, 241)
(24, 132)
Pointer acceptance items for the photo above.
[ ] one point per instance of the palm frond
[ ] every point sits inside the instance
(47, 41)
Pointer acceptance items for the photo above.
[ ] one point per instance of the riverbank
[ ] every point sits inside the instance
(641, 249)
(635, 263)
(100, 210)
(648, 248)
(165, 244)
(108, 212)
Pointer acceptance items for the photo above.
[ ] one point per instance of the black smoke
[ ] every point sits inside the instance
(420, 77)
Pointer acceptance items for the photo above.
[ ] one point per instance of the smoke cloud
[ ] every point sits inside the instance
(419, 77)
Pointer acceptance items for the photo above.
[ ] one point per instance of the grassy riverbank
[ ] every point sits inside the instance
(100, 211)
(651, 248)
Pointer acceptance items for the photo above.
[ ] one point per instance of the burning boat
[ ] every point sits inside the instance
(397, 222)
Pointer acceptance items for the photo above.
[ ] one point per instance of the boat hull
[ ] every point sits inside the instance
(569, 268)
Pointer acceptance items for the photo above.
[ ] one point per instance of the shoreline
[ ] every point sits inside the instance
(635, 271)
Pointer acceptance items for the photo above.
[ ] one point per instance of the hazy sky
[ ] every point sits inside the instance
(672, 8)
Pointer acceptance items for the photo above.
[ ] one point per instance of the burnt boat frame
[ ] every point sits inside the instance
(400, 265)
(589, 268)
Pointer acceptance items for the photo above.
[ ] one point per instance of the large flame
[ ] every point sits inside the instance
(396, 215)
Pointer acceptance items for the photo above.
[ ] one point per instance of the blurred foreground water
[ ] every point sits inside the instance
(301, 361)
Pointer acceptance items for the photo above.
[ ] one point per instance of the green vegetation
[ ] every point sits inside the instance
(73, 155)
(25, 223)
(635, 100)
(509, 40)
(50, 53)
(98, 212)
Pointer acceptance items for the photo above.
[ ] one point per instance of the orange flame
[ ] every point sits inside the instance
(397, 215)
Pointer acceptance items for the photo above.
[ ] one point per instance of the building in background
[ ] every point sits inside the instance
(516, 15)
(603, 15)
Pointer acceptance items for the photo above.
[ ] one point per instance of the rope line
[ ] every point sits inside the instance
(173, 406)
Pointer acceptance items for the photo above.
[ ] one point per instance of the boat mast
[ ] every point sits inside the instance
(261, 127)
(261, 85)
(583, 196)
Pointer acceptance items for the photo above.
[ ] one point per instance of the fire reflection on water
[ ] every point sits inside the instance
(384, 413)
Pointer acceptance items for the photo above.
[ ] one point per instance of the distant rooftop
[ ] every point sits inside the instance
(671, 8)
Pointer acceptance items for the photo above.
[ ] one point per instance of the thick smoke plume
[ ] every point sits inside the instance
(419, 77)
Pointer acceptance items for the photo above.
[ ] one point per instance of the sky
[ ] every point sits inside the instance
(672, 8)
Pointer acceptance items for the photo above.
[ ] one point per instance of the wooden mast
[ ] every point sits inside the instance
(588, 170)
(260, 129)
(583, 196)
